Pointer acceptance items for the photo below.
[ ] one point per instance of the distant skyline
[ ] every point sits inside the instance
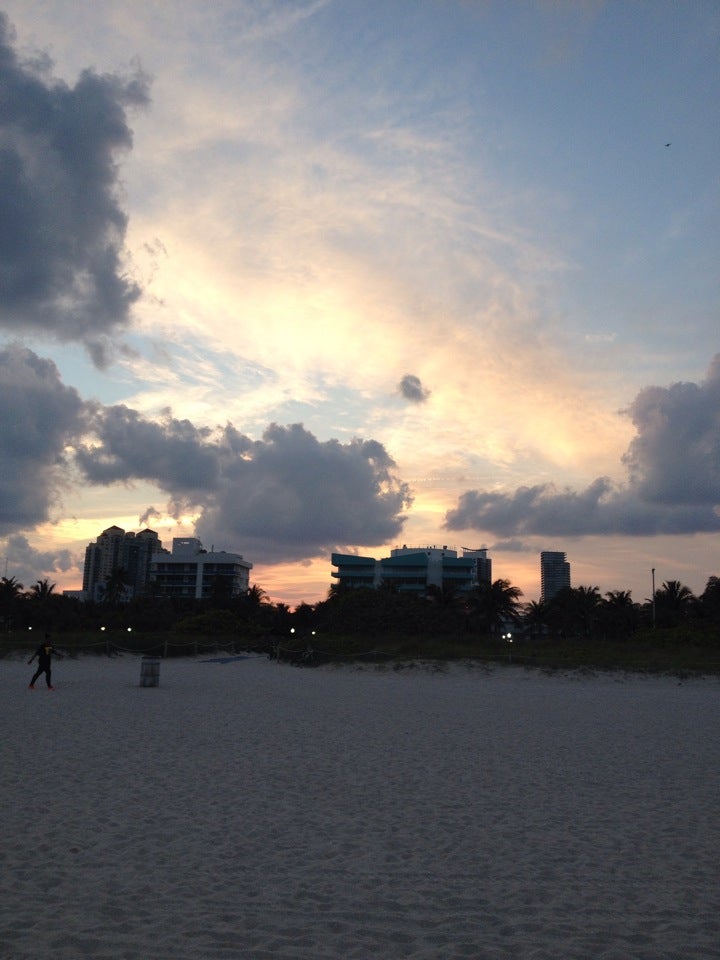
(342, 275)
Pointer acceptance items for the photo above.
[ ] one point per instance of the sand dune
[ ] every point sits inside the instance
(257, 810)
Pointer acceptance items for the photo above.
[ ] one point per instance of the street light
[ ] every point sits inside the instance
(653, 597)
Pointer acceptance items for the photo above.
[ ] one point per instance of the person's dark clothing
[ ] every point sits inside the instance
(44, 654)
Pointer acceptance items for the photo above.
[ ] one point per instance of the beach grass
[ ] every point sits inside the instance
(674, 651)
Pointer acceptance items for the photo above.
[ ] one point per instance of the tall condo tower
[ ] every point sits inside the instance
(554, 573)
(115, 548)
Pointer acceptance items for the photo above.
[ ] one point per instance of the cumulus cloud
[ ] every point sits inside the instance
(28, 565)
(600, 508)
(286, 496)
(411, 388)
(61, 246)
(39, 416)
(675, 457)
(291, 496)
(127, 447)
(673, 484)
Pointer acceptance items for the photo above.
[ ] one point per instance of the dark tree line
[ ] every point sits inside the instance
(487, 612)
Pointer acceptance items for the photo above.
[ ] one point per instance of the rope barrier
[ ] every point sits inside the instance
(112, 647)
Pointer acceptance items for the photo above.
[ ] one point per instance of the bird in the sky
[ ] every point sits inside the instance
(668, 144)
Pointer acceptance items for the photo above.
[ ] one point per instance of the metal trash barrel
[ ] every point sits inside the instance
(150, 672)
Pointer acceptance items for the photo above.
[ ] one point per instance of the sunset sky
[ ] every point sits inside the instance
(297, 277)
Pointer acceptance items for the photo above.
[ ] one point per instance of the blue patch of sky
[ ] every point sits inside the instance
(112, 385)
(338, 412)
(570, 109)
(194, 360)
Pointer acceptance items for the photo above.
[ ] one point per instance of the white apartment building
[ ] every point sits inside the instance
(193, 572)
(414, 569)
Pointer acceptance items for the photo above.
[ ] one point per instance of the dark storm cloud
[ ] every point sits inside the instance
(675, 457)
(412, 389)
(61, 242)
(174, 453)
(673, 484)
(599, 509)
(291, 496)
(39, 415)
(287, 496)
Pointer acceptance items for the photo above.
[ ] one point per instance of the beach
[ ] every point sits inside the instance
(246, 808)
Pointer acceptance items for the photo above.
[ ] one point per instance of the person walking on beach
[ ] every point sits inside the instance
(44, 654)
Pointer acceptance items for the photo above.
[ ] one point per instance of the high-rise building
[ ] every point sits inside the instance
(554, 573)
(483, 563)
(115, 549)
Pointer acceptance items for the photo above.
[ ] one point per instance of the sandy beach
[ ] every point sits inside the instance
(250, 809)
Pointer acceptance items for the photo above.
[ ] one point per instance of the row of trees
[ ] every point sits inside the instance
(492, 609)
(489, 610)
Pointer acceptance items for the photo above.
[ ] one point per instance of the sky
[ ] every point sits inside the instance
(347, 275)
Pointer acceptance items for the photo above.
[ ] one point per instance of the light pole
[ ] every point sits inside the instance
(653, 597)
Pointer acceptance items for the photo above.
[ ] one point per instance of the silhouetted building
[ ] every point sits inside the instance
(115, 549)
(554, 573)
(483, 563)
(191, 571)
(408, 570)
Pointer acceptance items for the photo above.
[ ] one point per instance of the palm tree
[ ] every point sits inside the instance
(281, 618)
(619, 612)
(256, 596)
(494, 605)
(673, 602)
(42, 598)
(115, 585)
(587, 601)
(573, 611)
(535, 615)
(10, 596)
(10, 587)
(254, 606)
(710, 599)
(42, 589)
